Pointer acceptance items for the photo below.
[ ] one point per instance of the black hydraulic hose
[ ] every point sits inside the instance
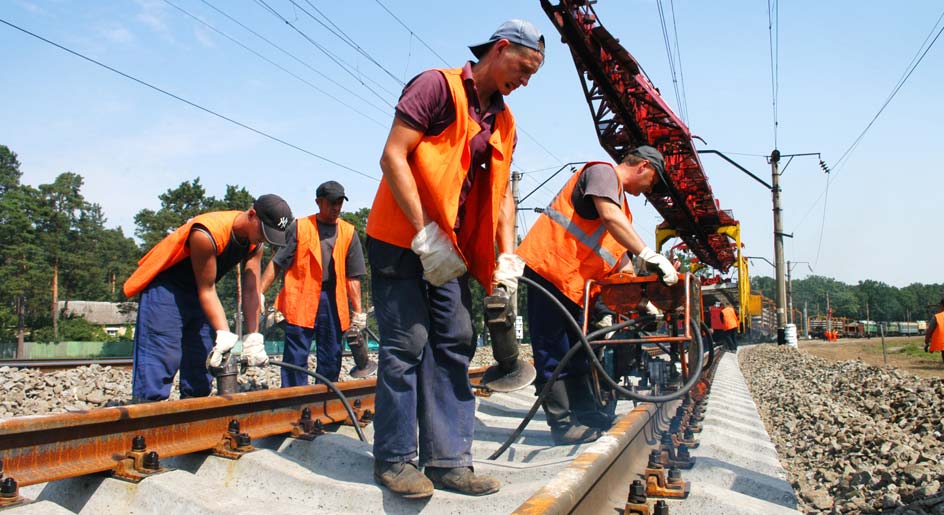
(329, 384)
(585, 344)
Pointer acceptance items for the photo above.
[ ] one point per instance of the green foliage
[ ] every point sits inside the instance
(71, 330)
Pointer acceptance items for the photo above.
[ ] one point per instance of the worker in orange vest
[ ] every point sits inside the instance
(442, 206)
(585, 233)
(323, 265)
(934, 336)
(729, 321)
(181, 324)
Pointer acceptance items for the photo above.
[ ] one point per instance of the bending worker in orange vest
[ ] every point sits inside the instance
(934, 336)
(443, 204)
(729, 321)
(323, 265)
(584, 234)
(180, 315)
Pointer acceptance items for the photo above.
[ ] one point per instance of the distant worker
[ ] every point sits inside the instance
(586, 233)
(729, 321)
(934, 336)
(180, 315)
(443, 204)
(323, 264)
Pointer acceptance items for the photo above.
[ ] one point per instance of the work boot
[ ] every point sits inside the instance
(403, 478)
(584, 404)
(565, 429)
(462, 480)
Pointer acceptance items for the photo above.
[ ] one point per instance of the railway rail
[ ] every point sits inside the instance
(63, 363)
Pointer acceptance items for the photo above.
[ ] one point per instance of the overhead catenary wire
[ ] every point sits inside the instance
(188, 102)
(671, 58)
(273, 63)
(678, 55)
(773, 28)
(296, 58)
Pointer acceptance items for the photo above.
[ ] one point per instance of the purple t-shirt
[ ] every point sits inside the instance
(426, 105)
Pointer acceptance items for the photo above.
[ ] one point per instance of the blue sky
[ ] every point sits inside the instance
(838, 62)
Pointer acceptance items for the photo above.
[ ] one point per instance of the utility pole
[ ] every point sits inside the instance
(789, 294)
(778, 247)
(515, 179)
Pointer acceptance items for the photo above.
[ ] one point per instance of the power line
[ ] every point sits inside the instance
(293, 56)
(344, 66)
(773, 28)
(822, 224)
(671, 58)
(415, 35)
(188, 102)
(273, 63)
(678, 53)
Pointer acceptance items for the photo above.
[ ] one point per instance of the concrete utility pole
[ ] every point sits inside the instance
(515, 179)
(781, 300)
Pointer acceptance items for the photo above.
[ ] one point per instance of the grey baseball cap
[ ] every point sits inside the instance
(655, 158)
(517, 31)
(331, 190)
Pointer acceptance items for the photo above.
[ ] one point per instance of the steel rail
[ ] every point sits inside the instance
(38, 449)
(65, 362)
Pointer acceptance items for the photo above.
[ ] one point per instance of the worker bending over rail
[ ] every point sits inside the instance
(321, 251)
(181, 324)
(443, 203)
(586, 233)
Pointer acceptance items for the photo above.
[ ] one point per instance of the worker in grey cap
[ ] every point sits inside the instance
(321, 295)
(442, 207)
(586, 233)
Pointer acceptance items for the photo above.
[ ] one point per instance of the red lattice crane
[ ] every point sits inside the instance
(628, 112)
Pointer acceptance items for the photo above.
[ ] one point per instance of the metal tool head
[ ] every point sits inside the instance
(500, 378)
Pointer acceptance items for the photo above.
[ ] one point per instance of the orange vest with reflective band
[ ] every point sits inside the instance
(173, 248)
(567, 249)
(440, 164)
(937, 337)
(729, 318)
(299, 297)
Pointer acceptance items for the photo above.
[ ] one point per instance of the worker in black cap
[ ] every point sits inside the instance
(181, 324)
(586, 233)
(321, 297)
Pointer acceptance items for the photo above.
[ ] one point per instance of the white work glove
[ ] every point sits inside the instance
(441, 262)
(225, 341)
(509, 269)
(651, 309)
(358, 322)
(669, 275)
(254, 350)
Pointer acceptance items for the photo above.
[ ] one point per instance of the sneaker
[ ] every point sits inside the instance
(462, 480)
(403, 478)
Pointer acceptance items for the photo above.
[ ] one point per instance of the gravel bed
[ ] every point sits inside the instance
(34, 392)
(853, 438)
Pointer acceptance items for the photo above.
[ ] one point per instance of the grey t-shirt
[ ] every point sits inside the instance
(597, 180)
(328, 234)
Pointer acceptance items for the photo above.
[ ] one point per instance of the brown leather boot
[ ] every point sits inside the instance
(462, 480)
(403, 478)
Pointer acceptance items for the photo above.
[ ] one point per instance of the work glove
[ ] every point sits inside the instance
(358, 322)
(254, 350)
(651, 309)
(441, 262)
(666, 270)
(225, 341)
(509, 269)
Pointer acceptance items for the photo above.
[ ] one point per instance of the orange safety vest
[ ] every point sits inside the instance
(716, 323)
(439, 165)
(937, 337)
(729, 319)
(567, 249)
(173, 248)
(299, 297)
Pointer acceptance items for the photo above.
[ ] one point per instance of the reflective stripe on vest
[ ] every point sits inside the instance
(299, 298)
(439, 165)
(566, 249)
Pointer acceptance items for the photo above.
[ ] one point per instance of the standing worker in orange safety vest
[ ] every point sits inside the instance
(934, 336)
(323, 265)
(729, 321)
(443, 204)
(586, 233)
(180, 316)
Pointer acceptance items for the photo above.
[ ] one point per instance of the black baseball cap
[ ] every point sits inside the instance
(520, 32)
(331, 190)
(655, 158)
(275, 216)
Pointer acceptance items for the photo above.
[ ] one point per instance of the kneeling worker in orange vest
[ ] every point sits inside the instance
(323, 265)
(584, 234)
(934, 336)
(180, 315)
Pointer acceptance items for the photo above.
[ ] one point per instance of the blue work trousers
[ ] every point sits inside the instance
(171, 333)
(423, 376)
(327, 335)
(551, 334)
